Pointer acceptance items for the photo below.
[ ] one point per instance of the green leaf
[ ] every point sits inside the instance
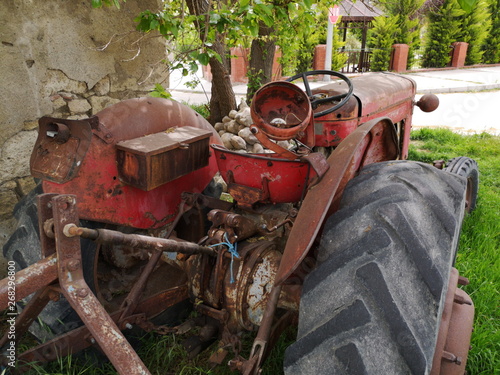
(308, 3)
(203, 58)
(214, 18)
(268, 20)
(160, 92)
(96, 3)
(267, 9)
(217, 56)
(153, 25)
(193, 66)
(173, 29)
(467, 5)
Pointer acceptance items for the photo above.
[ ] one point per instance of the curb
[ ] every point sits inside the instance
(463, 89)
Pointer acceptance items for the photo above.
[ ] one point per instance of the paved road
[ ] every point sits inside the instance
(464, 113)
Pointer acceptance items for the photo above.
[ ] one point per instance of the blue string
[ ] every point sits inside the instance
(232, 248)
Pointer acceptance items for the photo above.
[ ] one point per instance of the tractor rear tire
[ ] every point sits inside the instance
(374, 302)
(467, 168)
(23, 247)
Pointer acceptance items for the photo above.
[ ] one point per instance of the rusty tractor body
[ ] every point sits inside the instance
(136, 176)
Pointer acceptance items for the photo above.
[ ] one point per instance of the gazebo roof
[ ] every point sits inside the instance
(360, 11)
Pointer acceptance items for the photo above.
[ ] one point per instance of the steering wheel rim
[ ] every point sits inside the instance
(315, 102)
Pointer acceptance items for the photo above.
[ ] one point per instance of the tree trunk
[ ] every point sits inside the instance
(261, 61)
(223, 99)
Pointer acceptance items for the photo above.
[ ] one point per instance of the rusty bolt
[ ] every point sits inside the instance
(450, 357)
(70, 230)
(463, 280)
(48, 228)
(439, 164)
(73, 264)
(461, 300)
(82, 292)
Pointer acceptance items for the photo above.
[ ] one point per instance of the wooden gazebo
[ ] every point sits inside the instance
(358, 15)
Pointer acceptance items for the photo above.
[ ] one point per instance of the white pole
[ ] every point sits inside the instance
(328, 55)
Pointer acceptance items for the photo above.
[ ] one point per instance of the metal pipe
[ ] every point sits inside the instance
(28, 280)
(106, 236)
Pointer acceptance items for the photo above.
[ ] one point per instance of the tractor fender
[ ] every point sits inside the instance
(372, 142)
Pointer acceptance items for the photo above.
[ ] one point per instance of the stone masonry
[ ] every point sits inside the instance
(64, 59)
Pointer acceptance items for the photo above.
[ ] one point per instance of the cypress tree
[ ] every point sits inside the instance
(474, 29)
(491, 45)
(443, 26)
(381, 38)
(407, 24)
(338, 58)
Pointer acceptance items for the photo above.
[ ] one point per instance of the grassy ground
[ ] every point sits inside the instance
(479, 255)
(478, 260)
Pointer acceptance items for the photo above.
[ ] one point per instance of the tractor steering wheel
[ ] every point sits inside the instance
(316, 101)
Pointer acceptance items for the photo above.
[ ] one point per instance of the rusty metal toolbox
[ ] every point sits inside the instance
(153, 160)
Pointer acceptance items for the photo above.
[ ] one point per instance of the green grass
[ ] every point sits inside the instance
(477, 259)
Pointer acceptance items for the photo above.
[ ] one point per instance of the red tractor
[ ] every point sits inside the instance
(338, 234)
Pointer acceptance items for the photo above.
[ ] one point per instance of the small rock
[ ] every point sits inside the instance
(244, 118)
(30, 125)
(77, 117)
(226, 119)
(102, 87)
(247, 135)
(284, 144)
(219, 126)
(233, 127)
(98, 103)
(238, 143)
(219, 180)
(243, 105)
(8, 199)
(67, 95)
(226, 140)
(58, 103)
(222, 132)
(25, 185)
(232, 113)
(79, 106)
(258, 149)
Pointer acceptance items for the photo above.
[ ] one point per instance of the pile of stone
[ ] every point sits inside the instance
(235, 133)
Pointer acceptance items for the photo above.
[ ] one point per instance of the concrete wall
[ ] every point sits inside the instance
(51, 64)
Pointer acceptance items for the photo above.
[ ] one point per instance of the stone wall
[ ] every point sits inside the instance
(64, 59)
